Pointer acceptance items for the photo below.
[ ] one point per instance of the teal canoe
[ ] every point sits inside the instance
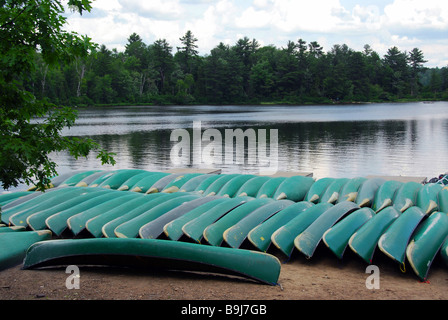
(14, 246)
(176, 184)
(143, 185)
(173, 229)
(7, 198)
(77, 223)
(77, 178)
(428, 197)
(235, 235)
(284, 237)
(194, 183)
(130, 228)
(132, 181)
(406, 196)
(426, 242)
(333, 192)
(19, 218)
(251, 187)
(294, 188)
(444, 251)
(317, 190)
(365, 240)
(95, 225)
(385, 195)
(154, 229)
(162, 183)
(25, 198)
(443, 200)
(349, 191)
(367, 192)
(396, 239)
(36, 221)
(119, 177)
(195, 228)
(268, 189)
(101, 178)
(150, 253)
(337, 237)
(213, 234)
(230, 188)
(207, 183)
(309, 239)
(4, 229)
(260, 236)
(85, 182)
(129, 213)
(217, 185)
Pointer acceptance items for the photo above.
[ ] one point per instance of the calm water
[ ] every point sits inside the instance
(329, 141)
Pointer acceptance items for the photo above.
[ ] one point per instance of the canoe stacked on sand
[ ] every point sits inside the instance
(239, 214)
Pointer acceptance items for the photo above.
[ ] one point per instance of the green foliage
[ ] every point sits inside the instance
(33, 42)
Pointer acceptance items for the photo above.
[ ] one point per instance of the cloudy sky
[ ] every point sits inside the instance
(382, 24)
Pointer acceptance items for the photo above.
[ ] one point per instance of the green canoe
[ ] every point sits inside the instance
(90, 179)
(194, 183)
(14, 246)
(443, 200)
(349, 191)
(19, 218)
(119, 177)
(132, 181)
(159, 185)
(406, 196)
(143, 185)
(317, 190)
(217, 185)
(173, 229)
(444, 251)
(150, 253)
(25, 198)
(176, 184)
(385, 195)
(4, 229)
(309, 239)
(337, 237)
(77, 222)
(260, 236)
(251, 187)
(130, 228)
(129, 213)
(101, 178)
(213, 234)
(367, 192)
(396, 239)
(77, 178)
(284, 237)
(365, 240)
(426, 242)
(235, 236)
(154, 229)
(37, 220)
(207, 183)
(195, 228)
(230, 188)
(427, 197)
(7, 198)
(333, 192)
(268, 189)
(294, 188)
(95, 225)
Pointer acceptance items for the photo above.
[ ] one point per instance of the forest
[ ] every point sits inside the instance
(243, 73)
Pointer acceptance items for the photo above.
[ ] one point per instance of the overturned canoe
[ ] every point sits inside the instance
(367, 191)
(251, 187)
(14, 246)
(219, 183)
(443, 200)
(176, 184)
(333, 192)
(317, 190)
(132, 181)
(349, 191)
(149, 253)
(147, 182)
(77, 178)
(427, 198)
(230, 188)
(385, 195)
(308, 240)
(207, 183)
(267, 190)
(11, 197)
(294, 188)
(426, 242)
(119, 177)
(192, 184)
(406, 196)
(160, 184)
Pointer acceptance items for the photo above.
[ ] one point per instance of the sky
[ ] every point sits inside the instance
(382, 24)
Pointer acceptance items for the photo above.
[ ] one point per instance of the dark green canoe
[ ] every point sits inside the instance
(396, 239)
(309, 239)
(284, 237)
(365, 240)
(150, 253)
(260, 236)
(426, 242)
(337, 237)
(14, 246)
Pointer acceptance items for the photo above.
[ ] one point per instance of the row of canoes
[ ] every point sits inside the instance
(404, 220)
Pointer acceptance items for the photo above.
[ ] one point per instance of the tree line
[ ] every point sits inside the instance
(243, 73)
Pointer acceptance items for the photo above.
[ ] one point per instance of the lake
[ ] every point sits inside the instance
(408, 139)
